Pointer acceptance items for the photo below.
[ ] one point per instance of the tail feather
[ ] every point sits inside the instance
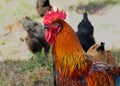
(115, 71)
(117, 81)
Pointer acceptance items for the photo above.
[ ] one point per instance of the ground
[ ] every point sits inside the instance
(103, 15)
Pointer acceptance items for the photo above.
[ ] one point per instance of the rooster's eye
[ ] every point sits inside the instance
(59, 24)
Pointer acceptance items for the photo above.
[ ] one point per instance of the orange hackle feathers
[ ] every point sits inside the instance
(69, 58)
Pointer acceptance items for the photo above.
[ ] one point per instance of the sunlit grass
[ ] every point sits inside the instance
(107, 26)
(12, 10)
(26, 73)
(116, 53)
(93, 6)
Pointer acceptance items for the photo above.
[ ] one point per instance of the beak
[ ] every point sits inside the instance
(45, 27)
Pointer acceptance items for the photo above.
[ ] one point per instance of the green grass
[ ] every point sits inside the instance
(2, 41)
(116, 53)
(13, 10)
(101, 2)
(94, 6)
(106, 26)
(26, 73)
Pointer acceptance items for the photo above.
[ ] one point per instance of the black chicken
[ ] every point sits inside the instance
(85, 33)
(101, 48)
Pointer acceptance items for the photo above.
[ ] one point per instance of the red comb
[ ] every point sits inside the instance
(53, 14)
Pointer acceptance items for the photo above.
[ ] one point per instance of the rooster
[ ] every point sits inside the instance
(99, 52)
(72, 66)
(85, 32)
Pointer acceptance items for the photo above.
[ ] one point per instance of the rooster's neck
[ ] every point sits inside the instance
(67, 41)
(68, 53)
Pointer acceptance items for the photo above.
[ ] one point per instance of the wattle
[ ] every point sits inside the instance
(50, 37)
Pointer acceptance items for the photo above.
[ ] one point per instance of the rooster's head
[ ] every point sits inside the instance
(50, 22)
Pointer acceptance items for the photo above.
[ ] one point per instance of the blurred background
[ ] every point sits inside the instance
(103, 14)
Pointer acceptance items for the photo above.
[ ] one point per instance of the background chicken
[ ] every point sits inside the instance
(36, 36)
(101, 48)
(99, 52)
(85, 33)
(72, 66)
(42, 6)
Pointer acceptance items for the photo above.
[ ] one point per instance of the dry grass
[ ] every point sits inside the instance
(34, 72)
